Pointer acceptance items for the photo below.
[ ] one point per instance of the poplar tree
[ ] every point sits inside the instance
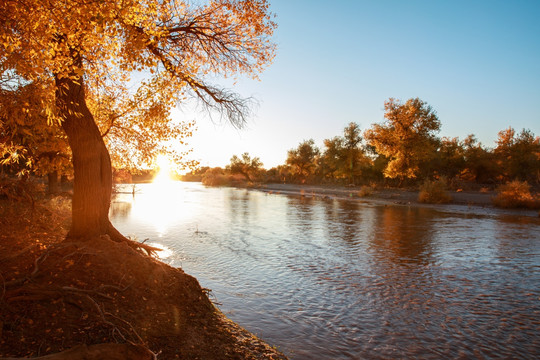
(73, 47)
(407, 137)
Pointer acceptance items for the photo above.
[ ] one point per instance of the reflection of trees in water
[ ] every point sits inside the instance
(241, 204)
(403, 234)
(120, 210)
(300, 212)
(344, 219)
(511, 236)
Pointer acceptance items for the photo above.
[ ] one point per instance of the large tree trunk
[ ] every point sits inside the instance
(92, 185)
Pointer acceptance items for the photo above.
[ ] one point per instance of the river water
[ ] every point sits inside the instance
(340, 279)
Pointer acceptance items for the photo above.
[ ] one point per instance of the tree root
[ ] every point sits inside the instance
(37, 262)
(125, 343)
(116, 236)
(22, 280)
(110, 351)
(21, 252)
(132, 346)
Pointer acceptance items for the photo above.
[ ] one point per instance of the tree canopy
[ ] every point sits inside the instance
(406, 137)
(344, 156)
(246, 165)
(303, 159)
(77, 50)
(27, 142)
(518, 154)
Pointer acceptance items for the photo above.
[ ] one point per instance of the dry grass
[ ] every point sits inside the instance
(516, 194)
(434, 192)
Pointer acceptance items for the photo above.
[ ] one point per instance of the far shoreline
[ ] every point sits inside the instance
(468, 201)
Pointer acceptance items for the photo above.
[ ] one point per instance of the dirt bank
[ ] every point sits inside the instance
(388, 195)
(470, 200)
(59, 294)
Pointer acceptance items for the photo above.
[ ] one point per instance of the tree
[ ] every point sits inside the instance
(344, 156)
(518, 156)
(406, 137)
(135, 128)
(74, 47)
(246, 166)
(479, 162)
(331, 160)
(353, 152)
(303, 159)
(450, 158)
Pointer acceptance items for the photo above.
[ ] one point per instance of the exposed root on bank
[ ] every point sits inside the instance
(24, 289)
(116, 299)
(129, 344)
(115, 235)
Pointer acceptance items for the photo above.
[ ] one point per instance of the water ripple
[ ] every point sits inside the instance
(333, 279)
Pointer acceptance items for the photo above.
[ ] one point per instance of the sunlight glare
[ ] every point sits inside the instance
(164, 174)
(165, 197)
(164, 253)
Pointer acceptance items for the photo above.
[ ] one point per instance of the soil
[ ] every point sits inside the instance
(102, 297)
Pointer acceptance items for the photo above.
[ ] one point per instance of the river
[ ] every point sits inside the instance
(339, 279)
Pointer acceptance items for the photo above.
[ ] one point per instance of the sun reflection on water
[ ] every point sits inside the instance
(163, 203)
(164, 175)
(164, 252)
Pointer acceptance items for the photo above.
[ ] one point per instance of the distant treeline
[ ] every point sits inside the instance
(403, 150)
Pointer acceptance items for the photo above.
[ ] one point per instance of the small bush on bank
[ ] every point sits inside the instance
(434, 192)
(215, 177)
(516, 194)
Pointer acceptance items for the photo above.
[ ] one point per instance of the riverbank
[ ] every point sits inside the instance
(92, 296)
(473, 200)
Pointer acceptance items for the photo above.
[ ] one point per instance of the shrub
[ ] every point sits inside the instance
(516, 194)
(434, 192)
(215, 177)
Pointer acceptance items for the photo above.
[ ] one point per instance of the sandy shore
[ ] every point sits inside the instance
(463, 200)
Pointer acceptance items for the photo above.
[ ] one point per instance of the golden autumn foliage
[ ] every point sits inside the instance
(169, 46)
(406, 137)
(434, 192)
(516, 194)
(27, 142)
(246, 166)
(116, 68)
(116, 38)
(518, 155)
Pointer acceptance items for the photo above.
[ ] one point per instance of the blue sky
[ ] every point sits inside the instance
(477, 63)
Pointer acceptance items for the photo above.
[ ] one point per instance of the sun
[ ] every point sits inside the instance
(165, 169)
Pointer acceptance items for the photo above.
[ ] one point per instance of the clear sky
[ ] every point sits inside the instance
(477, 63)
